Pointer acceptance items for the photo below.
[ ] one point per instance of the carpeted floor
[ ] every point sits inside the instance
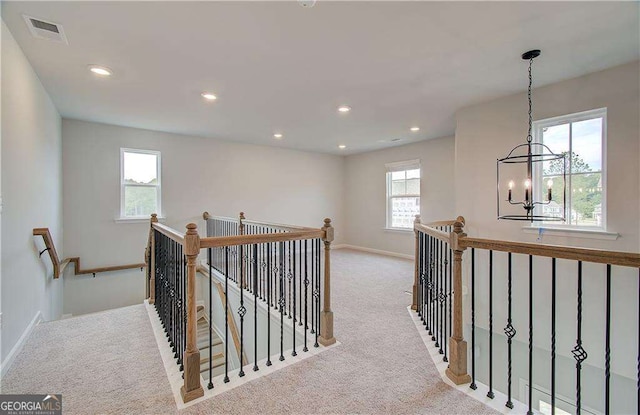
(109, 363)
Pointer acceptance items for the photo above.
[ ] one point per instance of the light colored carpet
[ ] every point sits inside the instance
(108, 362)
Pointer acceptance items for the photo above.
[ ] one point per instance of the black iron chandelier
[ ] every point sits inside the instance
(524, 167)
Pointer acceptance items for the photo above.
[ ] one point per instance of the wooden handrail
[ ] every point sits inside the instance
(440, 223)
(280, 226)
(48, 242)
(206, 216)
(625, 259)
(220, 241)
(59, 266)
(80, 271)
(169, 232)
(441, 235)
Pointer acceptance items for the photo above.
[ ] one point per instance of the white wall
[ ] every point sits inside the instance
(489, 130)
(366, 189)
(223, 178)
(31, 195)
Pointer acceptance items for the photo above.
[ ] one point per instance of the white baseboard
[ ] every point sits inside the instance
(373, 251)
(19, 344)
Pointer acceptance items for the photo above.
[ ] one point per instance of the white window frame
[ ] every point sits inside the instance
(158, 186)
(394, 167)
(538, 127)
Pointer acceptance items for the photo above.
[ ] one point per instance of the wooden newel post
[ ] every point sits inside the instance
(152, 260)
(414, 304)
(326, 316)
(191, 388)
(457, 370)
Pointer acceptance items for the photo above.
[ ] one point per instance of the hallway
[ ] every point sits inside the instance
(381, 365)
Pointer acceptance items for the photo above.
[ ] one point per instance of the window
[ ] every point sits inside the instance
(582, 138)
(139, 183)
(403, 194)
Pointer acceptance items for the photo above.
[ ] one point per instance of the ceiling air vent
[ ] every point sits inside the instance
(42, 29)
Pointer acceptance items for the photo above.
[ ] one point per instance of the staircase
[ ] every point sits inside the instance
(216, 346)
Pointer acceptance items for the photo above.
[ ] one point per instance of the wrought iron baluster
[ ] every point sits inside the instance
(578, 351)
(607, 347)
(316, 293)
(281, 299)
(306, 291)
(313, 284)
(255, 307)
(445, 299)
(289, 277)
(420, 288)
(425, 280)
(473, 319)
(431, 286)
(490, 394)
(434, 294)
(509, 330)
(530, 410)
(301, 283)
(226, 314)
(293, 328)
(553, 336)
(242, 310)
(268, 304)
(450, 296)
(209, 257)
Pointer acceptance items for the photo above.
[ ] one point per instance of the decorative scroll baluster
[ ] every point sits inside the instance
(510, 332)
(579, 354)
(281, 303)
(473, 320)
(553, 336)
(255, 307)
(313, 285)
(490, 394)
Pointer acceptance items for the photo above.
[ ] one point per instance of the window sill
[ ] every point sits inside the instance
(571, 233)
(137, 220)
(400, 230)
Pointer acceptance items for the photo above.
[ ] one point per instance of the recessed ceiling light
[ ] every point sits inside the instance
(100, 70)
(209, 96)
(342, 146)
(344, 108)
(277, 136)
(415, 129)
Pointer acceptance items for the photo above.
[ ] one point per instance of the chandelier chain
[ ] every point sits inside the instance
(529, 137)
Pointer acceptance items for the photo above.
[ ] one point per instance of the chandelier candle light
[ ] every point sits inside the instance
(529, 160)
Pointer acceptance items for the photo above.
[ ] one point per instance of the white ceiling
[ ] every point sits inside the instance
(276, 66)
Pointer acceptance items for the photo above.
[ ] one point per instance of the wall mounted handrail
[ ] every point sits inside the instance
(60, 266)
(48, 242)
